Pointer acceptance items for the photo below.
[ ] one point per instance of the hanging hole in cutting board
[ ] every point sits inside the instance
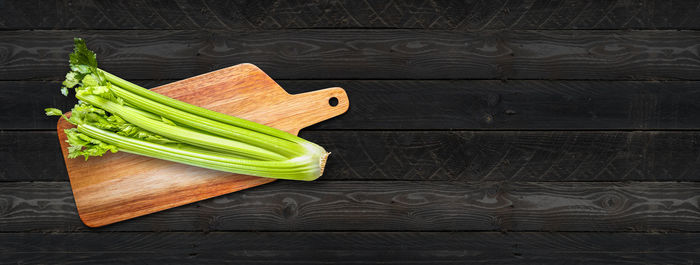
(333, 101)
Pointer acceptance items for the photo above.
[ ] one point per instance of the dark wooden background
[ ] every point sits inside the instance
(495, 132)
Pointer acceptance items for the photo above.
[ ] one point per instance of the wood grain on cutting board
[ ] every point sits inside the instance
(121, 186)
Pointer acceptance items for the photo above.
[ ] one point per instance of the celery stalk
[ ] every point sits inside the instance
(180, 133)
(292, 170)
(243, 123)
(116, 115)
(287, 148)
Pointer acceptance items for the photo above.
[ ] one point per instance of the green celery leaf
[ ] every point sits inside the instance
(81, 56)
(86, 146)
(53, 112)
(90, 80)
(72, 79)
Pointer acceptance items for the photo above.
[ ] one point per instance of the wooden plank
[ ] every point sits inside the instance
(513, 105)
(420, 14)
(363, 54)
(436, 105)
(387, 206)
(445, 155)
(24, 103)
(350, 248)
(31, 156)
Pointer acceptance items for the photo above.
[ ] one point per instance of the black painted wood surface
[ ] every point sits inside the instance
(352, 248)
(412, 14)
(445, 104)
(364, 54)
(445, 155)
(389, 206)
(493, 132)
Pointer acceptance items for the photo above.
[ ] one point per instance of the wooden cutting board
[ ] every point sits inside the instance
(121, 186)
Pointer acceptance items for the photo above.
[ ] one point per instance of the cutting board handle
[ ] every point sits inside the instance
(317, 106)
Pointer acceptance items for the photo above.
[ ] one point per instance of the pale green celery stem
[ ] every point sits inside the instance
(282, 146)
(305, 168)
(179, 133)
(158, 118)
(235, 121)
(145, 113)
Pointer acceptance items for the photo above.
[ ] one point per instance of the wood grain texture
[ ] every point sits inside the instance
(120, 186)
(387, 205)
(350, 248)
(414, 14)
(23, 104)
(513, 105)
(430, 166)
(445, 105)
(441, 155)
(512, 155)
(21, 152)
(363, 54)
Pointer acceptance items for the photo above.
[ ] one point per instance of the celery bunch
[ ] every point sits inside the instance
(116, 115)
